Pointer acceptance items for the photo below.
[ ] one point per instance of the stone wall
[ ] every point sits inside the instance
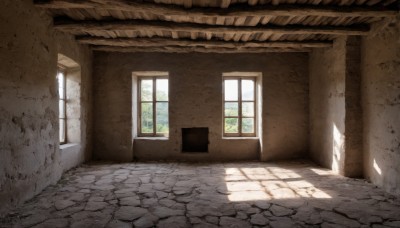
(29, 144)
(335, 109)
(196, 101)
(381, 107)
(327, 105)
(353, 164)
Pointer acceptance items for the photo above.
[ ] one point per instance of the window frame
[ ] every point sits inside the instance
(154, 102)
(240, 102)
(62, 70)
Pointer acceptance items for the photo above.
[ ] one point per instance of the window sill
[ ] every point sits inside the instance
(67, 145)
(239, 138)
(152, 138)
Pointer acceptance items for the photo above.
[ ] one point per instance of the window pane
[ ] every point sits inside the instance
(147, 118)
(61, 80)
(61, 85)
(248, 90)
(162, 117)
(248, 125)
(61, 93)
(61, 106)
(231, 90)
(62, 130)
(146, 90)
(248, 109)
(162, 89)
(231, 125)
(231, 109)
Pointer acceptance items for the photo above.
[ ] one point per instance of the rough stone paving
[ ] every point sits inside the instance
(251, 194)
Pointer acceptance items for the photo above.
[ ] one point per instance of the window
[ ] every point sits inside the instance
(239, 106)
(153, 106)
(69, 100)
(62, 104)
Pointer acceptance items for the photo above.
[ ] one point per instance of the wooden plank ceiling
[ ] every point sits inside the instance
(218, 26)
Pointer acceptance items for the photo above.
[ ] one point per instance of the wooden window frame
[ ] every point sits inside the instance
(240, 101)
(61, 69)
(154, 102)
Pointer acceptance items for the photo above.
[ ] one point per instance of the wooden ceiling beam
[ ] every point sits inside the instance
(238, 10)
(78, 27)
(162, 42)
(196, 49)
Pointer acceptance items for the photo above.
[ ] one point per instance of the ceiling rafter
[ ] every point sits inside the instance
(237, 10)
(162, 42)
(77, 27)
(170, 49)
(146, 26)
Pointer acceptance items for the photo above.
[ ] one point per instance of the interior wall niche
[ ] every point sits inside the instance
(195, 140)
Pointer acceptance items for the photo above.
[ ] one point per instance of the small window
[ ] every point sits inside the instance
(153, 106)
(239, 114)
(62, 104)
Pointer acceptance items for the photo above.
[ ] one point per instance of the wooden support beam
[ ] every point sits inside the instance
(196, 49)
(78, 27)
(163, 42)
(379, 26)
(187, 3)
(225, 3)
(237, 10)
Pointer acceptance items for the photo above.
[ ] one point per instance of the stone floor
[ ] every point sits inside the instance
(285, 194)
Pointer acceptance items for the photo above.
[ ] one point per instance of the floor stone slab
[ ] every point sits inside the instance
(246, 194)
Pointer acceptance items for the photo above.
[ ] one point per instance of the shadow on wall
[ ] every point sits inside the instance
(340, 154)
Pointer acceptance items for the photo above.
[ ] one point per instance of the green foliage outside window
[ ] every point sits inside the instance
(161, 106)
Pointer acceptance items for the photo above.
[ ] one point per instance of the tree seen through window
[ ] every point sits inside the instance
(239, 106)
(154, 106)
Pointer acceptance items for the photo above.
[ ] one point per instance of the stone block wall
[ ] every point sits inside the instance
(30, 157)
(380, 61)
(195, 82)
(327, 105)
(335, 108)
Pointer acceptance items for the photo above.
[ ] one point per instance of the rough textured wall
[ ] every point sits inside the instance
(353, 121)
(381, 107)
(285, 118)
(327, 105)
(196, 101)
(77, 117)
(29, 150)
(335, 108)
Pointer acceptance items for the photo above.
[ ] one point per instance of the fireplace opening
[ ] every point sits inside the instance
(195, 139)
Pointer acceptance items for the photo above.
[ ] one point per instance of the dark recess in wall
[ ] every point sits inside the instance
(195, 139)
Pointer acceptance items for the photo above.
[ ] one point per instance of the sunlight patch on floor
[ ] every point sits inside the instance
(244, 184)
